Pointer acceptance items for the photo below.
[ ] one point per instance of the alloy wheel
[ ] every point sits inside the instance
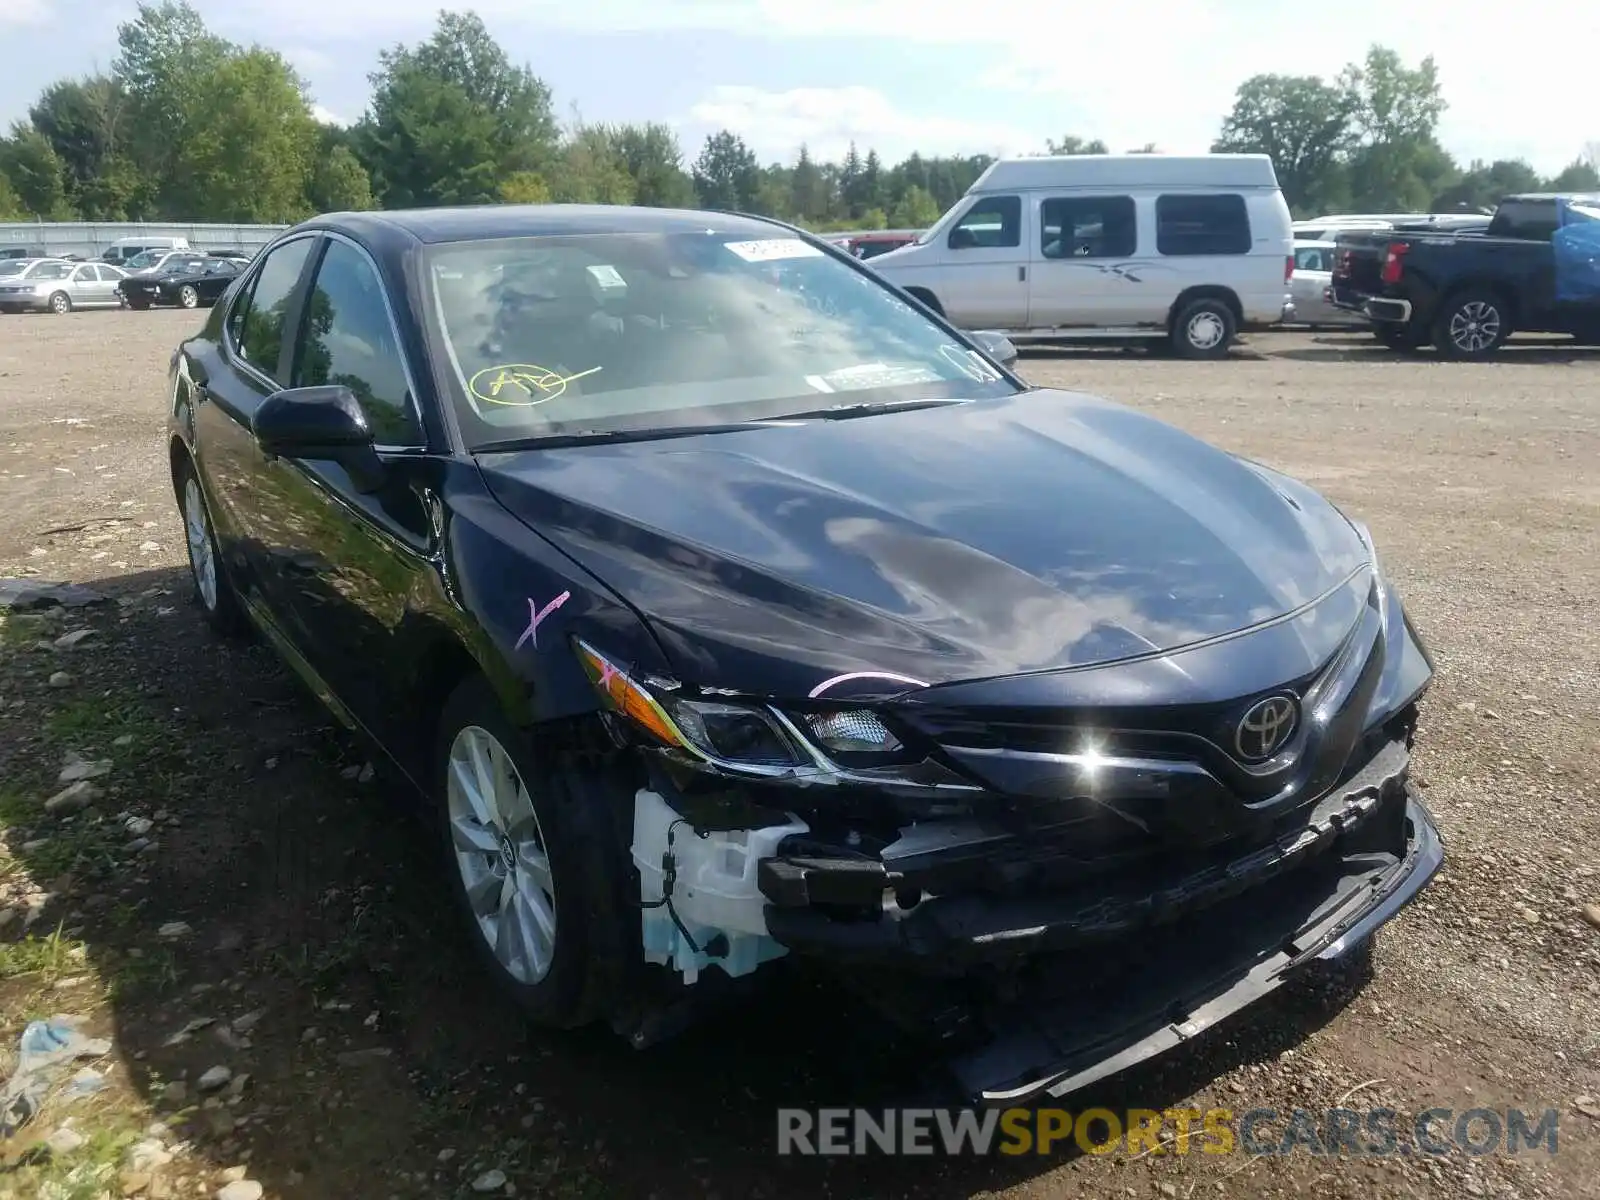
(60, 304)
(197, 531)
(188, 297)
(1474, 327)
(500, 853)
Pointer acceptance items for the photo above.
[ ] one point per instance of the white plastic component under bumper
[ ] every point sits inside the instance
(703, 905)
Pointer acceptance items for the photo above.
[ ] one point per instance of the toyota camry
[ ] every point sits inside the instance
(735, 615)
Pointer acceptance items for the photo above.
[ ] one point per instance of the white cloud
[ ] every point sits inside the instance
(1519, 83)
(827, 120)
(326, 117)
(24, 12)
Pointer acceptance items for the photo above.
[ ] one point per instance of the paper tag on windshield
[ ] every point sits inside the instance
(607, 276)
(773, 249)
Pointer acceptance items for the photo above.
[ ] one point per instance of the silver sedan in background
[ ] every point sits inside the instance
(57, 285)
(1313, 273)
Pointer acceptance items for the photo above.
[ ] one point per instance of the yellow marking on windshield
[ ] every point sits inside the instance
(538, 384)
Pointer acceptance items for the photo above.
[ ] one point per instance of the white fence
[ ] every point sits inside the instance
(90, 238)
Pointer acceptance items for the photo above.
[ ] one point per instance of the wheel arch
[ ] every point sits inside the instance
(1498, 288)
(1206, 291)
(925, 296)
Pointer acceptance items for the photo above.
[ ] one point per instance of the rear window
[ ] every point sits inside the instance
(1191, 225)
(1535, 220)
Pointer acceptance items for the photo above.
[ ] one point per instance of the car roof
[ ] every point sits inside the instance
(486, 222)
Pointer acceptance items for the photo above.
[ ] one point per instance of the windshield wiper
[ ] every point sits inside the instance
(596, 437)
(845, 412)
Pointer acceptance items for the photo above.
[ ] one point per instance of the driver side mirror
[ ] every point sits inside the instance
(996, 345)
(320, 423)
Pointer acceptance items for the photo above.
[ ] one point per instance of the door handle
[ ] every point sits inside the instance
(1022, 274)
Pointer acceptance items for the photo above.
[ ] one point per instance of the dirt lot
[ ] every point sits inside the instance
(313, 961)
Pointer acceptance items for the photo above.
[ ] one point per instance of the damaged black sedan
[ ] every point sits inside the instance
(734, 614)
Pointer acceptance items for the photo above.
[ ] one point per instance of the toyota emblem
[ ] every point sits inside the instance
(1265, 728)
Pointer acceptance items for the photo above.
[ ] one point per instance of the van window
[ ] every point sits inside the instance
(1202, 225)
(992, 221)
(1088, 227)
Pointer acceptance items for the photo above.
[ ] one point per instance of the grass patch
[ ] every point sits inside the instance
(49, 957)
(150, 973)
(86, 1173)
(94, 724)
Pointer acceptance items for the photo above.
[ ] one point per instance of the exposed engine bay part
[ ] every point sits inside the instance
(702, 904)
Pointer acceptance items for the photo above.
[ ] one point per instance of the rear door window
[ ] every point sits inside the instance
(994, 221)
(1202, 224)
(1088, 227)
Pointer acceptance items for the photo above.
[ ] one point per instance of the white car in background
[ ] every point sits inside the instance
(1313, 275)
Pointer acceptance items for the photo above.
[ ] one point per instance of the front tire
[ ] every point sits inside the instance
(1204, 329)
(527, 861)
(1471, 325)
(188, 297)
(60, 304)
(212, 590)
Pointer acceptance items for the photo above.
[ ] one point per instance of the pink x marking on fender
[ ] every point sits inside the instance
(537, 614)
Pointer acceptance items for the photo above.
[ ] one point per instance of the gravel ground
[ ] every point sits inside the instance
(312, 941)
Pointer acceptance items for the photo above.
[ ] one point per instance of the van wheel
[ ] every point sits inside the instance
(1203, 329)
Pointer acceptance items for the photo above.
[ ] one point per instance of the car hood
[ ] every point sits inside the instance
(1039, 531)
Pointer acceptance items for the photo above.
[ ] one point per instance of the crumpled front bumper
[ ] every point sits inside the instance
(1087, 1021)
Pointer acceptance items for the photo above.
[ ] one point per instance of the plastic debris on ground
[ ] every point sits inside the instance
(44, 1051)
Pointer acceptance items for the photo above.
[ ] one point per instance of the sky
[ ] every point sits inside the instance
(901, 75)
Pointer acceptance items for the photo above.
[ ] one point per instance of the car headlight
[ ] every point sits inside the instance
(714, 730)
(851, 731)
(723, 732)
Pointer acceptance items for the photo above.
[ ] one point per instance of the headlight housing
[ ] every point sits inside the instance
(749, 737)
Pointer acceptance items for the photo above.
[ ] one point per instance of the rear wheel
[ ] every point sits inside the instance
(1471, 325)
(1204, 329)
(60, 303)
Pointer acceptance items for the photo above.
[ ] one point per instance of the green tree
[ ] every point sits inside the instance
(247, 153)
(1580, 175)
(452, 117)
(339, 182)
(1397, 163)
(592, 169)
(524, 187)
(37, 176)
(10, 203)
(652, 157)
(166, 60)
(916, 209)
(1075, 145)
(726, 175)
(85, 122)
(809, 201)
(1303, 124)
(1483, 185)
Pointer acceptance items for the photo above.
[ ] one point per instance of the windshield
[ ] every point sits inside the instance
(617, 332)
(48, 270)
(13, 266)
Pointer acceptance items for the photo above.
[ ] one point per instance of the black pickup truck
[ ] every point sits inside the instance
(1535, 269)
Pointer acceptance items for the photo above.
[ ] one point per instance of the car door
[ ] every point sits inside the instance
(110, 277)
(248, 363)
(983, 278)
(1085, 273)
(350, 559)
(84, 287)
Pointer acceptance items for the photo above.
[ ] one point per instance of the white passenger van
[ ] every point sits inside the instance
(1109, 246)
(121, 250)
